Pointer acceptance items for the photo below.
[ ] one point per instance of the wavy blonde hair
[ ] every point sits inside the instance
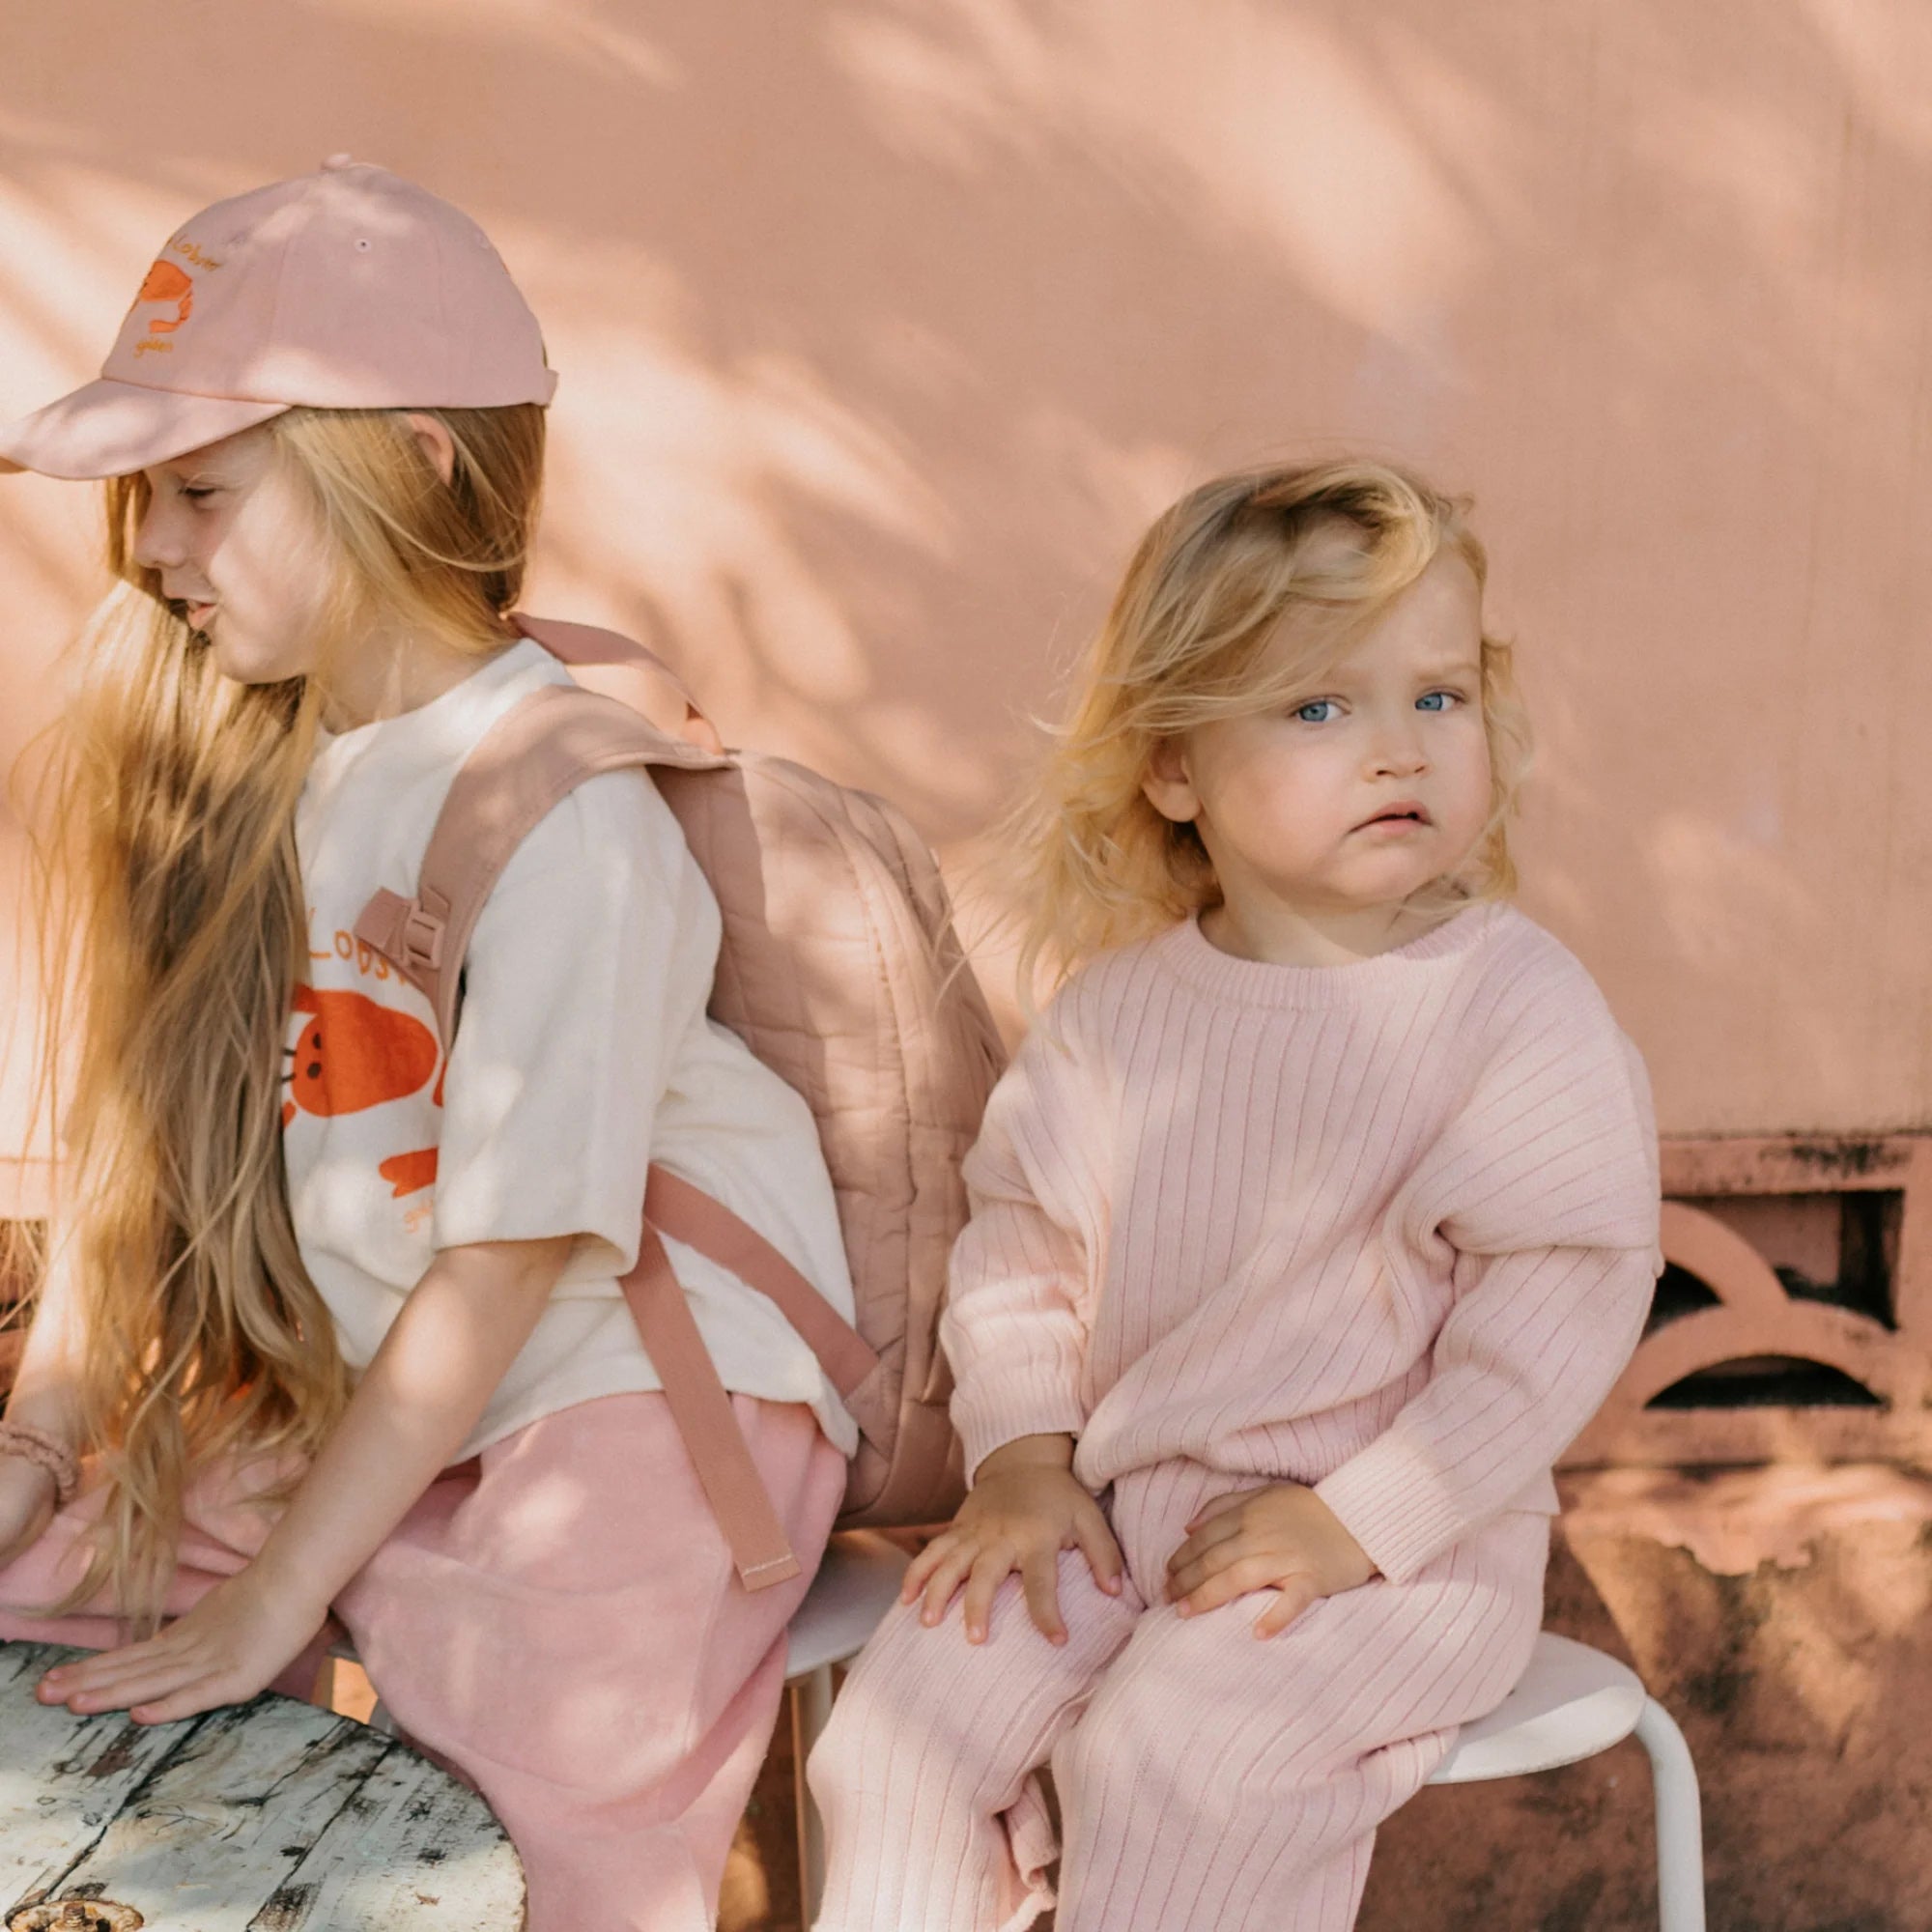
(172, 923)
(1235, 566)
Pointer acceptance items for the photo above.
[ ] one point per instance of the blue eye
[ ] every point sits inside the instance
(1438, 700)
(1318, 712)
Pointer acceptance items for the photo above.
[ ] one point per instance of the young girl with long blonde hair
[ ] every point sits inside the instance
(1314, 1218)
(333, 1321)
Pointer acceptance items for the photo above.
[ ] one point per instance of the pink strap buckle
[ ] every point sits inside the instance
(419, 940)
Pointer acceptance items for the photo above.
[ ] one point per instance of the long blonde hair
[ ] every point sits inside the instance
(1235, 565)
(172, 922)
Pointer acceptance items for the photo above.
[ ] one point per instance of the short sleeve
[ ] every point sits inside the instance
(592, 956)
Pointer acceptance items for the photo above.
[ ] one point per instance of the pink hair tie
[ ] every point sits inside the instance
(37, 1446)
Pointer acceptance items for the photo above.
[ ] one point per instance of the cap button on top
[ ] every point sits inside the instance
(335, 163)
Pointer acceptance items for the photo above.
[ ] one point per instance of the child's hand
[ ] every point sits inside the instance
(1024, 1509)
(26, 1506)
(236, 1641)
(1283, 1537)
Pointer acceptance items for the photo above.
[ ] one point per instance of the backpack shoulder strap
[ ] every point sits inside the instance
(531, 759)
(615, 667)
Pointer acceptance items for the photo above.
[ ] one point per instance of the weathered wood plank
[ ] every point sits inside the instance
(405, 1850)
(62, 1779)
(267, 1817)
(215, 1832)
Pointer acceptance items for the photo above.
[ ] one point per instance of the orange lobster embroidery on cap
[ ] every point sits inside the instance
(167, 283)
(356, 1054)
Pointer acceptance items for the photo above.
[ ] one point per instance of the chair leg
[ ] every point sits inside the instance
(811, 1712)
(1680, 1826)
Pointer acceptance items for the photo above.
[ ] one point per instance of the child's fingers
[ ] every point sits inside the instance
(1234, 1579)
(1040, 1579)
(926, 1563)
(100, 1662)
(89, 1676)
(1213, 1558)
(205, 1693)
(1102, 1554)
(1223, 1529)
(1219, 1506)
(1298, 1594)
(945, 1581)
(990, 1568)
(161, 1677)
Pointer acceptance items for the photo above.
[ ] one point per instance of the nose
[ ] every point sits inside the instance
(1398, 750)
(161, 542)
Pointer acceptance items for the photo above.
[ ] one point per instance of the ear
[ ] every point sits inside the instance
(436, 442)
(1168, 786)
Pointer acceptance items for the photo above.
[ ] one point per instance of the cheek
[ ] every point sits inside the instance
(270, 580)
(1286, 798)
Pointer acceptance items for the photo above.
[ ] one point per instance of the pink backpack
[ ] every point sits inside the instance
(839, 968)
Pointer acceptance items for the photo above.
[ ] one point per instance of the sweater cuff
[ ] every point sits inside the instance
(987, 1419)
(1394, 1506)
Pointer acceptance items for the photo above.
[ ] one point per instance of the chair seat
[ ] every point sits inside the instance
(857, 1584)
(1572, 1703)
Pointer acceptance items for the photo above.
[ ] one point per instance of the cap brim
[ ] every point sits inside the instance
(113, 429)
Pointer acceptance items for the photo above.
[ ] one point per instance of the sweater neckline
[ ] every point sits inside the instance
(1187, 952)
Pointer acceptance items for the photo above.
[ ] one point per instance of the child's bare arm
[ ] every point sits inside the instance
(457, 1334)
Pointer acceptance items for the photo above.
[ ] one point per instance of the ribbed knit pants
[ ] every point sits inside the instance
(1208, 1780)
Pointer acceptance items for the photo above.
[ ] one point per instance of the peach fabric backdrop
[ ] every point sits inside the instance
(884, 326)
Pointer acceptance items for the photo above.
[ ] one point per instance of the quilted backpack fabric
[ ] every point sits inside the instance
(839, 968)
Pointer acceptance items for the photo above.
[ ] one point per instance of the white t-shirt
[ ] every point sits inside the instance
(583, 1055)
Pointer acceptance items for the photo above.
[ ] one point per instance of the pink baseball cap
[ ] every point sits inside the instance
(346, 289)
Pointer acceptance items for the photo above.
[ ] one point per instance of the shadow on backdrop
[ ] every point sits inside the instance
(885, 327)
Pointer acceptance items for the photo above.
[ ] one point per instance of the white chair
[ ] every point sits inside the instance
(1572, 1703)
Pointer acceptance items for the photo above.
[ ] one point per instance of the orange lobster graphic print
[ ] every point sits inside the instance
(354, 1053)
(167, 283)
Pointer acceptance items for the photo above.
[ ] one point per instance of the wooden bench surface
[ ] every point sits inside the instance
(267, 1817)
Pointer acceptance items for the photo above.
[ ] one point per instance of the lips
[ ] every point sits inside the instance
(1404, 812)
(196, 609)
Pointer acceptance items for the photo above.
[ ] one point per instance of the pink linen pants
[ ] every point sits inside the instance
(560, 1624)
(1209, 1780)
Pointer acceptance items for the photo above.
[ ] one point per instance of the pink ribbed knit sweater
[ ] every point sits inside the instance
(1388, 1229)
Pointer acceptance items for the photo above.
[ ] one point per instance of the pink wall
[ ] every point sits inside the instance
(883, 328)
